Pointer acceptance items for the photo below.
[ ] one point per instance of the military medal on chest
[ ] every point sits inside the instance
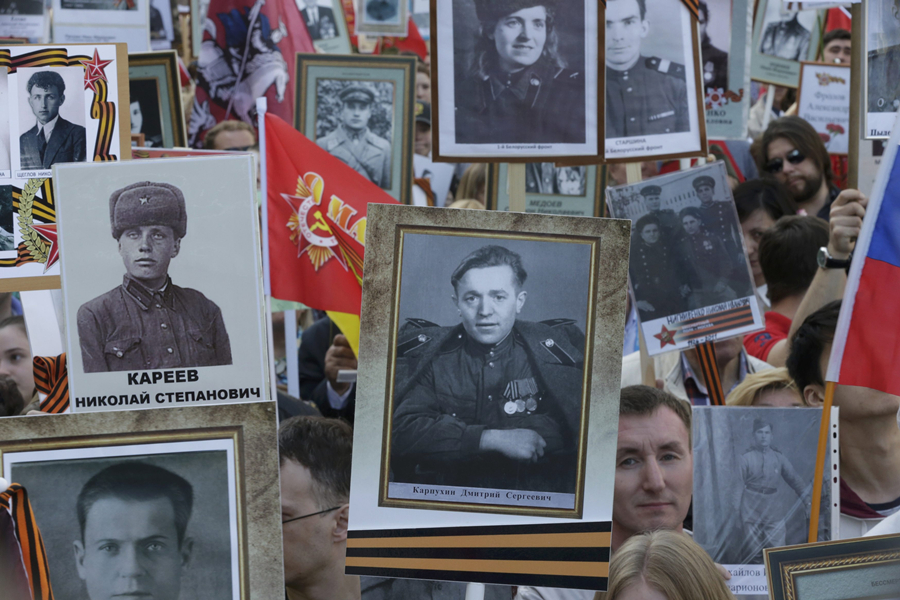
(521, 395)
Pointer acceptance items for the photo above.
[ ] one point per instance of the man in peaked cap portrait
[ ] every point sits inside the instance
(148, 322)
(494, 401)
(669, 224)
(644, 95)
(519, 89)
(719, 217)
(354, 143)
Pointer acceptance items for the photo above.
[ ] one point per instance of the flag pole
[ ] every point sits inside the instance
(824, 427)
(261, 107)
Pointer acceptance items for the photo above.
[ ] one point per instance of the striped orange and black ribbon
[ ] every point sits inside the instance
(562, 555)
(51, 377)
(706, 353)
(15, 500)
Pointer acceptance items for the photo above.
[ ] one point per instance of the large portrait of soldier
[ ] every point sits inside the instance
(359, 111)
(753, 483)
(882, 87)
(654, 97)
(689, 271)
(515, 79)
(160, 236)
(154, 505)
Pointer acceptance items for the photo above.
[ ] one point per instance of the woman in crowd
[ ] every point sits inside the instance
(772, 387)
(472, 184)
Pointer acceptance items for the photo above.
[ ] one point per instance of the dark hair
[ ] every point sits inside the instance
(703, 8)
(643, 401)
(692, 211)
(787, 254)
(323, 446)
(486, 50)
(761, 423)
(209, 141)
(14, 320)
(809, 343)
(835, 34)
(45, 79)
(491, 256)
(644, 221)
(802, 136)
(138, 482)
(765, 194)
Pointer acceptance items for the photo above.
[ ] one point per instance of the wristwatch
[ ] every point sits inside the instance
(826, 261)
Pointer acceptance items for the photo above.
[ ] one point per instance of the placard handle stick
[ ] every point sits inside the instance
(856, 64)
(291, 353)
(770, 100)
(475, 591)
(824, 428)
(262, 104)
(648, 369)
(516, 186)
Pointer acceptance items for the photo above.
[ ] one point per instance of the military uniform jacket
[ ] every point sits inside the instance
(648, 99)
(131, 328)
(715, 66)
(369, 155)
(542, 103)
(883, 84)
(657, 272)
(786, 39)
(719, 220)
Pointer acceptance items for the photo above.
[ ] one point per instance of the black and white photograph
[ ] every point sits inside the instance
(21, 7)
(51, 117)
(119, 21)
(319, 17)
(726, 28)
(786, 33)
(153, 505)
(687, 254)
(753, 474)
(5, 164)
(548, 179)
(162, 32)
(382, 17)
(163, 235)
(146, 116)
(653, 88)
(354, 122)
(516, 79)
(714, 17)
(882, 87)
(550, 189)
(22, 19)
(181, 496)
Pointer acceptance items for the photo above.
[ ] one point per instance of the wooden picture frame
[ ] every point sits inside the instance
(155, 84)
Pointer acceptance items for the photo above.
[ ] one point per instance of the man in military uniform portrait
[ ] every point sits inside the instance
(787, 38)
(319, 21)
(883, 65)
(669, 224)
(714, 60)
(354, 142)
(645, 95)
(494, 401)
(519, 88)
(148, 322)
(658, 272)
(719, 218)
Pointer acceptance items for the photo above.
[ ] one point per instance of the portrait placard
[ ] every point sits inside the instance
(823, 101)
(135, 332)
(486, 390)
(23, 19)
(549, 189)
(858, 569)
(102, 22)
(326, 25)
(382, 17)
(198, 485)
(162, 29)
(654, 91)
(155, 86)
(726, 26)
(359, 109)
(881, 86)
(753, 474)
(782, 38)
(515, 87)
(690, 276)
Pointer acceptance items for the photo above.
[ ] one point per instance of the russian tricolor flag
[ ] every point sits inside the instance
(866, 349)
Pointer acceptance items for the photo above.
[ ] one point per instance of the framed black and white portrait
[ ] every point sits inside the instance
(574, 190)
(147, 245)
(654, 97)
(155, 109)
(23, 19)
(324, 20)
(515, 81)
(179, 504)
(690, 276)
(782, 38)
(382, 17)
(881, 89)
(359, 110)
(162, 31)
(753, 482)
(726, 26)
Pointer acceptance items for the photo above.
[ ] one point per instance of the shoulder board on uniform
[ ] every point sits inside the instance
(665, 66)
(557, 322)
(412, 343)
(558, 353)
(421, 323)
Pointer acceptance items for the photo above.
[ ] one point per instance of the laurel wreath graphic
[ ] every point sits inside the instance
(32, 240)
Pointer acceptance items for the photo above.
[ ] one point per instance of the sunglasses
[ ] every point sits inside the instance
(777, 164)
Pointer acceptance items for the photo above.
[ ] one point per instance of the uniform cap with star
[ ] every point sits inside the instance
(704, 180)
(147, 203)
(490, 11)
(357, 93)
(651, 190)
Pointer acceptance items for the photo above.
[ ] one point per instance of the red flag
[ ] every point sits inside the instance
(247, 52)
(317, 221)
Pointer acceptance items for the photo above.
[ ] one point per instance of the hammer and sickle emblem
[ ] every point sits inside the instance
(320, 223)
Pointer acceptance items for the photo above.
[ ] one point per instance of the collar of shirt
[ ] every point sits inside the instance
(354, 137)
(517, 83)
(697, 392)
(492, 351)
(145, 297)
(47, 129)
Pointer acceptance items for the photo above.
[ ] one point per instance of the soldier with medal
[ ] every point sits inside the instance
(493, 401)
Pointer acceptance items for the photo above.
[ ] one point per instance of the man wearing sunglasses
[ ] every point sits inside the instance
(792, 152)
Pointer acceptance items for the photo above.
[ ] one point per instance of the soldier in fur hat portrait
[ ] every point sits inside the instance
(519, 88)
(148, 322)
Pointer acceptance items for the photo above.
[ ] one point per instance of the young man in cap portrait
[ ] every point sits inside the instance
(519, 89)
(669, 223)
(354, 143)
(719, 217)
(148, 322)
(53, 139)
(645, 95)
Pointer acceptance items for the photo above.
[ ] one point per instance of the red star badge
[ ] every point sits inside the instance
(48, 232)
(666, 336)
(94, 71)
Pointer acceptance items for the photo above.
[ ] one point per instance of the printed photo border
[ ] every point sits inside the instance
(163, 67)
(497, 198)
(772, 69)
